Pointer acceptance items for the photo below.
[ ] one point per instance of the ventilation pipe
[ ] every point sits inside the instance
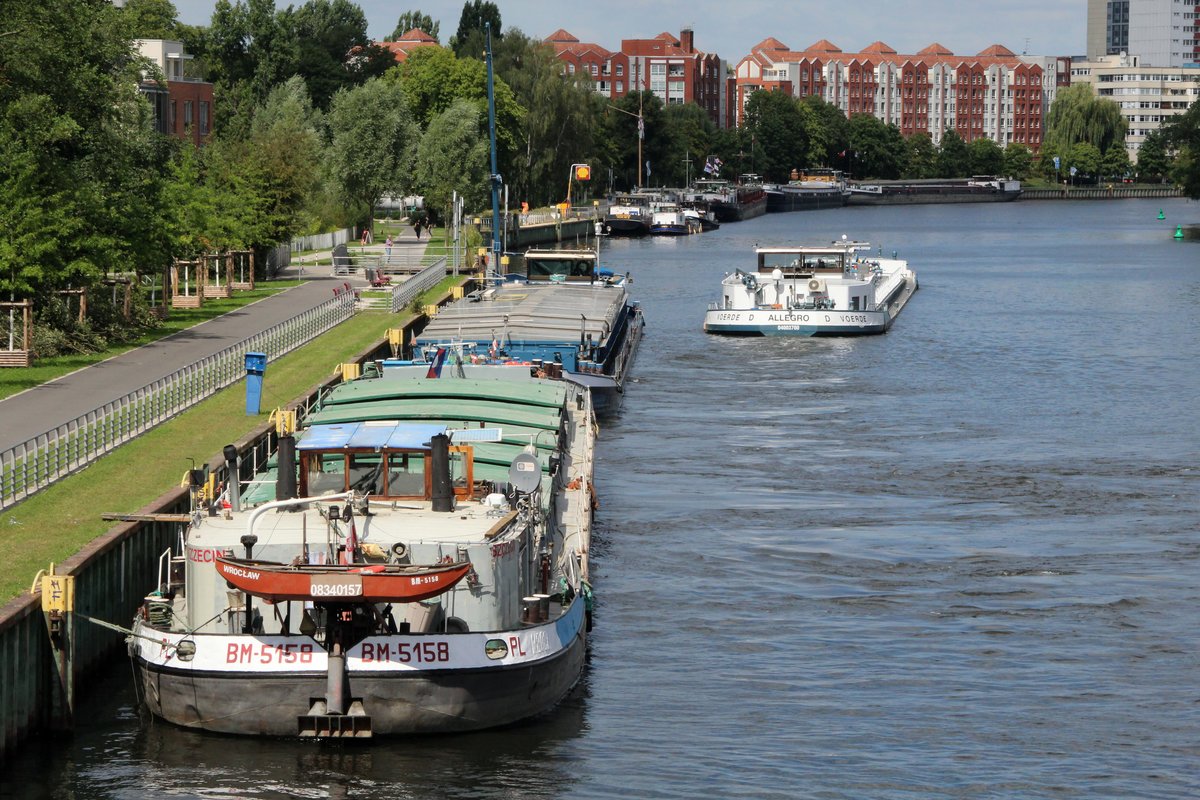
(439, 464)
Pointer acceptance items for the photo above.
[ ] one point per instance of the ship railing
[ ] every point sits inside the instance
(42, 460)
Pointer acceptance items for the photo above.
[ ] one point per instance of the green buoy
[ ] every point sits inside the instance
(1178, 231)
(1161, 215)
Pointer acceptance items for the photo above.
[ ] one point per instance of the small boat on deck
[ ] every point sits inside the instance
(836, 289)
(367, 583)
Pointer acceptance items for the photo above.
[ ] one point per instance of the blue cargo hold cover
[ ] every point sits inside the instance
(372, 435)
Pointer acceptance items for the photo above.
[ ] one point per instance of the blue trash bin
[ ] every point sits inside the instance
(256, 366)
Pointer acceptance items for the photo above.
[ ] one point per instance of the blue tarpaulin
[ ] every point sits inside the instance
(373, 435)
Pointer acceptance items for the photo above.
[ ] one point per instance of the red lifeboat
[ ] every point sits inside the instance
(341, 583)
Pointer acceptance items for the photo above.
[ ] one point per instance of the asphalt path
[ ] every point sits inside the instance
(43, 408)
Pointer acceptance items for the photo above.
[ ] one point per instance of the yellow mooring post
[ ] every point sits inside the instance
(58, 606)
(395, 340)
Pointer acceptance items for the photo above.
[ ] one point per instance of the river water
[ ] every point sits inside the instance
(956, 561)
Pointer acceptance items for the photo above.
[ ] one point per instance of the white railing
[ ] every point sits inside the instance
(404, 293)
(48, 457)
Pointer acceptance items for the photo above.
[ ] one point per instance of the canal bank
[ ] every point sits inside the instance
(1102, 193)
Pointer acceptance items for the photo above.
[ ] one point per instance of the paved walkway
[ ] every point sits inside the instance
(49, 405)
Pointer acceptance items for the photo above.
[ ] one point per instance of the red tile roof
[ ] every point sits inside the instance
(934, 49)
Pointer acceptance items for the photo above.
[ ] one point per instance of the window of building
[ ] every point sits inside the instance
(204, 118)
(187, 114)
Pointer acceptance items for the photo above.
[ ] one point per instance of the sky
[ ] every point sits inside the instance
(730, 28)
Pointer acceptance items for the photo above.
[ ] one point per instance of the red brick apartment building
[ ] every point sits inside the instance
(670, 67)
(183, 107)
(995, 94)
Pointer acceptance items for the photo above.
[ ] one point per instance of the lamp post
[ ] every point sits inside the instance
(495, 176)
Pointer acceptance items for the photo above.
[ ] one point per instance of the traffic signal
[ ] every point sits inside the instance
(583, 172)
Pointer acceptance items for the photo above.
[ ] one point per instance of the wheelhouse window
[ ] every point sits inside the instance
(801, 263)
(387, 474)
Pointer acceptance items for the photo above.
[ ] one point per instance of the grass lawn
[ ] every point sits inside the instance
(57, 522)
(47, 369)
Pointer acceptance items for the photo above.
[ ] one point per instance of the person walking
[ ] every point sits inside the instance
(387, 250)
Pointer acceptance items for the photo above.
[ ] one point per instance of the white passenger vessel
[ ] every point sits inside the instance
(837, 289)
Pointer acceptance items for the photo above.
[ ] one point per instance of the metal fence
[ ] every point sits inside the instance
(322, 241)
(38, 462)
(404, 293)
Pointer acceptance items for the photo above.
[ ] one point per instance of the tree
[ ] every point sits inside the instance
(453, 157)
(1115, 163)
(779, 127)
(1183, 134)
(249, 49)
(829, 131)
(878, 148)
(372, 138)
(150, 19)
(986, 157)
(433, 78)
(691, 134)
(285, 152)
(471, 38)
(1018, 161)
(333, 49)
(954, 158)
(1153, 163)
(620, 137)
(80, 186)
(1085, 158)
(560, 122)
(1077, 115)
(920, 160)
(414, 20)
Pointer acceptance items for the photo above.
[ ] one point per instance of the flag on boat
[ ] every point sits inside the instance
(712, 166)
(435, 366)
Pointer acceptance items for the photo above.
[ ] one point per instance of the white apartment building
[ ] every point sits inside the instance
(1148, 96)
(1162, 33)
